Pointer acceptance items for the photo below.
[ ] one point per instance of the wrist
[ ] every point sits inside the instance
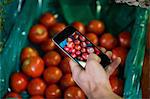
(103, 94)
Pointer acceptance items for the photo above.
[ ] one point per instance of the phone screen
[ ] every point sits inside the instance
(79, 47)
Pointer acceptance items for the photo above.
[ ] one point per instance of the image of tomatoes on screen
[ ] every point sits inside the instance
(79, 47)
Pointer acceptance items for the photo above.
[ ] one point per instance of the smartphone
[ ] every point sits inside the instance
(78, 47)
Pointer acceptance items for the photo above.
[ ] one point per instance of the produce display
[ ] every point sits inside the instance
(45, 70)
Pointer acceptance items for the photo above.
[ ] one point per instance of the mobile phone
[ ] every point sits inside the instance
(78, 47)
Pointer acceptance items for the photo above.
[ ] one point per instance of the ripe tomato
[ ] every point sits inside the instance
(48, 19)
(56, 28)
(119, 52)
(124, 39)
(93, 38)
(36, 86)
(52, 58)
(18, 82)
(37, 97)
(74, 92)
(65, 66)
(28, 52)
(67, 81)
(38, 33)
(96, 26)
(79, 26)
(116, 85)
(53, 92)
(52, 74)
(48, 45)
(108, 41)
(12, 95)
(33, 66)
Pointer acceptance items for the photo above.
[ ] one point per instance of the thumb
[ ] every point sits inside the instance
(75, 69)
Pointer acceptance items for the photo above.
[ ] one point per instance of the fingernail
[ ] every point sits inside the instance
(118, 59)
(109, 52)
(96, 57)
(103, 49)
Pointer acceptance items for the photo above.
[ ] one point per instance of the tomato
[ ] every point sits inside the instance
(108, 41)
(65, 66)
(37, 97)
(33, 66)
(38, 33)
(52, 74)
(124, 39)
(119, 52)
(36, 86)
(93, 38)
(116, 85)
(28, 52)
(52, 58)
(67, 81)
(53, 92)
(18, 82)
(12, 95)
(96, 26)
(79, 26)
(48, 45)
(56, 28)
(48, 19)
(74, 93)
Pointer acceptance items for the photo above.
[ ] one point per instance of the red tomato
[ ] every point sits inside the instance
(124, 39)
(52, 74)
(48, 19)
(37, 97)
(33, 66)
(67, 81)
(65, 66)
(36, 86)
(38, 33)
(119, 52)
(53, 92)
(74, 93)
(96, 26)
(79, 26)
(28, 52)
(56, 28)
(93, 38)
(52, 58)
(108, 41)
(48, 45)
(116, 85)
(18, 82)
(12, 95)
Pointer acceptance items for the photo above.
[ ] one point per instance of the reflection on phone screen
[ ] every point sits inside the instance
(79, 47)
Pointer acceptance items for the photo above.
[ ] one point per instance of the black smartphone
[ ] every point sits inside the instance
(78, 47)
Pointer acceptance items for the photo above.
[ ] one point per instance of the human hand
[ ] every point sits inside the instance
(94, 80)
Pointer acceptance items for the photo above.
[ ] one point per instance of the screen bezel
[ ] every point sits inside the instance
(58, 38)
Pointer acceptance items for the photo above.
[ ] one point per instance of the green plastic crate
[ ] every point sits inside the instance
(20, 15)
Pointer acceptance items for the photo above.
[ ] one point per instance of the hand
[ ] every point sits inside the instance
(94, 80)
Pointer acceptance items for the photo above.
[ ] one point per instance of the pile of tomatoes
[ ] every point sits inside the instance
(45, 73)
